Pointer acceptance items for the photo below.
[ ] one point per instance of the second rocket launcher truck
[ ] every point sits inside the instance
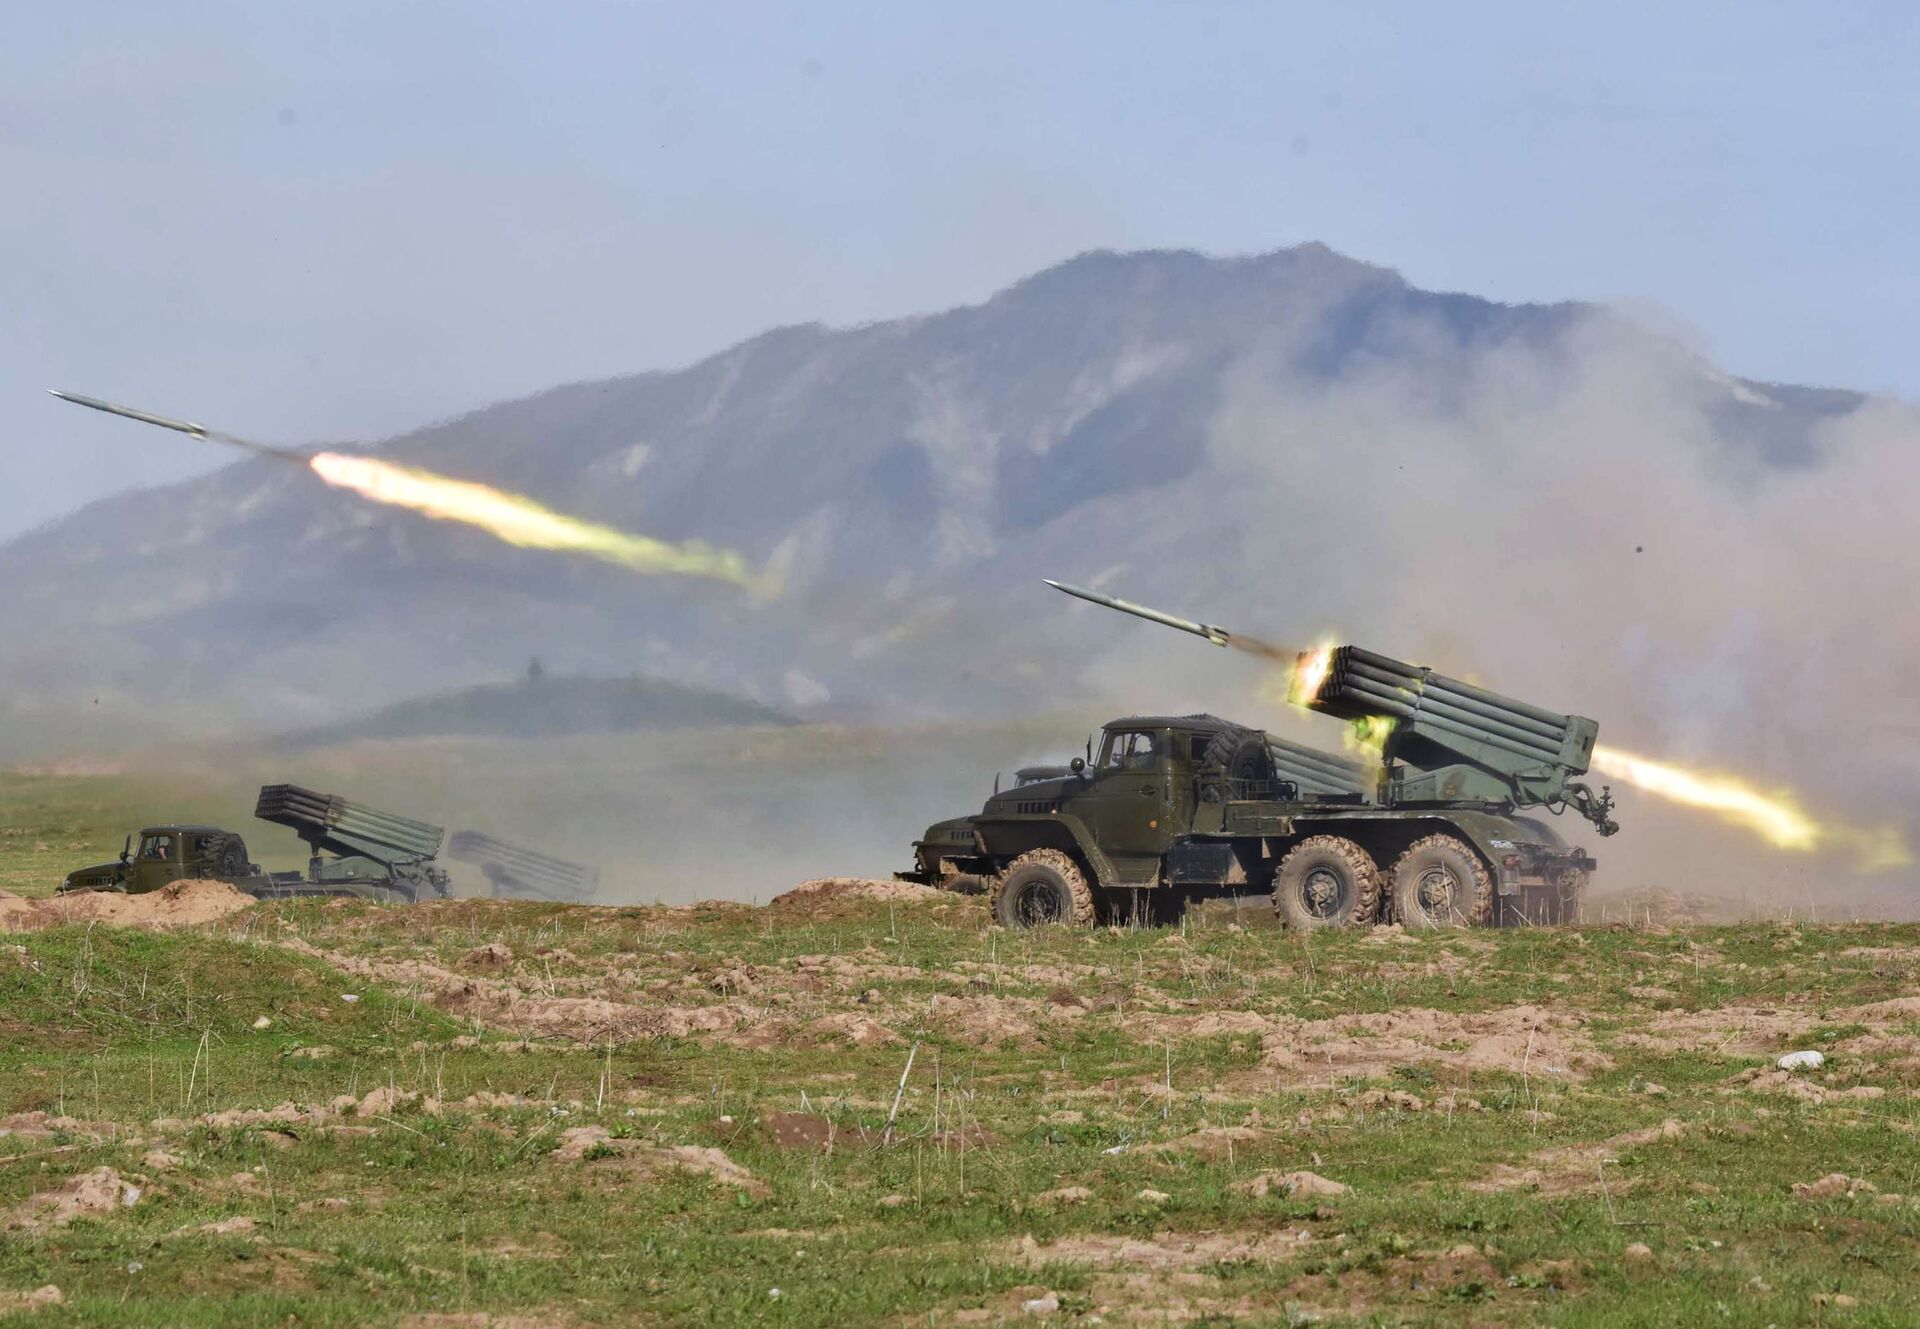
(1177, 807)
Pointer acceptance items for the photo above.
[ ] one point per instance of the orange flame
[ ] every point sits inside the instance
(1309, 672)
(521, 521)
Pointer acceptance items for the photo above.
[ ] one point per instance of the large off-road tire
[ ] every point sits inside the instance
(1327, 881)
(1234, 754)
(1439, 882)
(1044, 886)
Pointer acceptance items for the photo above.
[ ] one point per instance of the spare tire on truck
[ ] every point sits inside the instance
(1327, 881)
(1233, 756)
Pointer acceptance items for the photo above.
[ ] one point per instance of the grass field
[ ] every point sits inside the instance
(865, 1106)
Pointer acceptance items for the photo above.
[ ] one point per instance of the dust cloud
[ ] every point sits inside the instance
(674, 817)
(1569, 525)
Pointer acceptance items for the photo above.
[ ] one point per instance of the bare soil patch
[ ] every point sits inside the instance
(1520, 1040)
(87, 1195)
(1745, 1031)
(182, 904)
(1576, 1167)
(592, 1144)
(809, 895)
(1164, 1250)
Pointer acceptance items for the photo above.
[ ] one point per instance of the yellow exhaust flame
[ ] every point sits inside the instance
(521, 521)
(1309, 672)
(1368, 737)
(1777, 818)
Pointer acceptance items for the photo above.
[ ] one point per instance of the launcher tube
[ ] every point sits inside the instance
(1539, 713)
(1434, 687)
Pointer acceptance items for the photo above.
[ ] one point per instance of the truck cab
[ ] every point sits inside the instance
(166, 854)
(1137, 797)
(1126, 809)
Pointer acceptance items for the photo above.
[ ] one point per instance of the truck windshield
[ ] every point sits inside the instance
(1128, 750)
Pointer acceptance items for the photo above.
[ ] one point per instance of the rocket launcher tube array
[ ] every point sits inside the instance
(1521, 722)
(1455, 717)
(345, 827)
(1313, 771)
(523, 870)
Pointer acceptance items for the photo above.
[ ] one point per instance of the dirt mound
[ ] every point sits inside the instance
(1164, 1250)
(1575, 1167)
(47, 1295)
(1521, 1040)
(182, 904)
(1292, 1183)
(1743, 1031)
(826, 890)
(87, 1195)
(590, 1144)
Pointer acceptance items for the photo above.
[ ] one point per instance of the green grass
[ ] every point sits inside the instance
(144, 1040)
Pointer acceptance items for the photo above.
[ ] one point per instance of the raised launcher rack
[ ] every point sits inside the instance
(1464, 743)
(374, 852)
(1318, 777)
(514, 871)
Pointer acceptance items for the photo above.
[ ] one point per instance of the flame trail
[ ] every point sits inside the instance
(1778, 818)
(521, 521)
(511, 517)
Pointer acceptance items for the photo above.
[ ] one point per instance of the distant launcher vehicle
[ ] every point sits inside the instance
(354, 850)
(513, 871)
(1178, 807)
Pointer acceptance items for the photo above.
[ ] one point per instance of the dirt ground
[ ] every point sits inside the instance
(181, 904)
(868, 1099)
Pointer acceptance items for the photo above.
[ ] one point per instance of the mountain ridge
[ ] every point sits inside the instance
(901, 475)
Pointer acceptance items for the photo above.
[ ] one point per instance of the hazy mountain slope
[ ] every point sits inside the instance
(912, 479)
(546, 707)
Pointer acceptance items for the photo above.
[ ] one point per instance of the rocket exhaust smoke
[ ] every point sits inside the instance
(521, 521)
(512, 518)
(1777, 818)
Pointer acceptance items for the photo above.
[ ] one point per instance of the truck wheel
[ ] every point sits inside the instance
(1327, 881)
(1441, 883)
(1043, 886)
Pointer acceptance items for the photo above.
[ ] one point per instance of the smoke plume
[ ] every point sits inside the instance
(1571, 526)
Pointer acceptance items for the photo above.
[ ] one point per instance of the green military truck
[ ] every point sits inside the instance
(167, 854)
(1174, 808)
(355, 850)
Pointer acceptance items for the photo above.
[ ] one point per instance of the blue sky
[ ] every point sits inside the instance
(335, 221)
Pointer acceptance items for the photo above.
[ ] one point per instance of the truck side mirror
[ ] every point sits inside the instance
(1078, 766)
(126, 850)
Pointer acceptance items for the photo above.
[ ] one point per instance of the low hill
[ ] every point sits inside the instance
(545, 707)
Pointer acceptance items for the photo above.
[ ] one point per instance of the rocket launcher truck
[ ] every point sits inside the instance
(355, 850)
(1435, 833)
